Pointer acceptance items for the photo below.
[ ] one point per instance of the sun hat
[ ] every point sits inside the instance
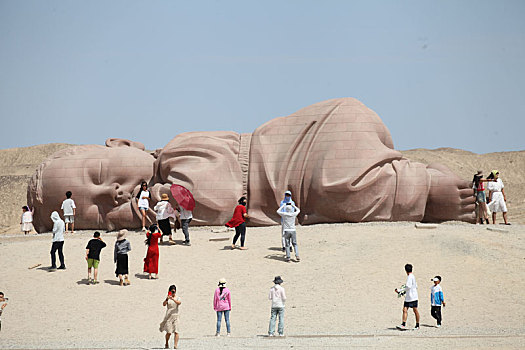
(164, 197)
(278, 280)
(121, 235)
(494, 172)
(288, 193)
(436, 278)
(222, 281)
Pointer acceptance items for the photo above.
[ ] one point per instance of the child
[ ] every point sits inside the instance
(410, 298)
(27, 220)
(288, 213)
(93, 249)
(436, 299)
(69, 209)
(278, 297)
(3, 304)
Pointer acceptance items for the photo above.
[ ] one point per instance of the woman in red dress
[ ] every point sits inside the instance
(151, 261)
(239, 222)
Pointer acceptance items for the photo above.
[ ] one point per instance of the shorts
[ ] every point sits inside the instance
(69, 219)
(143, 208)
(93, 263)
(480, 197)
(410, 304)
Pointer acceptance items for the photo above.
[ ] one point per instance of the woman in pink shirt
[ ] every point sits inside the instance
(222, 305)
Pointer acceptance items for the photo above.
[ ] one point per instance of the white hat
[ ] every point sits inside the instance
(288, 192)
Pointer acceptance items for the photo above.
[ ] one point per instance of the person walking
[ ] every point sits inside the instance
(436, 300)
(143, 197)
(411, 298)
(222, 304)
(278, 297)
(151, 261)
(164, 211)
(238, 221)
(185, 219)
(170, 323)
(288, 213)
(497, 197)
(93, 248)
(120, 257)
(58, 241)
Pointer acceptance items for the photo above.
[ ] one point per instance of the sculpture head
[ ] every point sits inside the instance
(102, 179)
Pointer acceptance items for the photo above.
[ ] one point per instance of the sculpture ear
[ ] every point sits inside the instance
(116, 142)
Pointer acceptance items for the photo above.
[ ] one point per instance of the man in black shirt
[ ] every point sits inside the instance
(93, 249)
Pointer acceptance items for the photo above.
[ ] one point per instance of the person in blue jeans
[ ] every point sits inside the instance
(278, 297)
(222, 304)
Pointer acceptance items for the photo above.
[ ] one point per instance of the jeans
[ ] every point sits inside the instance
(277, 311)
(57, 246)
(435, 311)
(185, 223)
(240, 230)
(226, 319)
(290, 237)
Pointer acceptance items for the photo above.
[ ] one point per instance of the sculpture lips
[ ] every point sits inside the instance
(183, 196)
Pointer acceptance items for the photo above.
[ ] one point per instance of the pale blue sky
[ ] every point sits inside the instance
(439, 73)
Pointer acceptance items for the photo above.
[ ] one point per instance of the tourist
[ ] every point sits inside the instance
(93, 248)
(26, 221)
(222, 304)
(120, 257)
(287, 199)
(170, 324)
(164, 211)
(278, 297)
(288, 213)
(479, 193)
(185, 219)
(497, 197)
(411, 298)
(238, 221)
(436, 299)
(3, 304)
(58, 241)
(69, 211)
(151, 261)
(143, 197)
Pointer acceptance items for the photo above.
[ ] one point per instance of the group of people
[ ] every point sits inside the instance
(496, 200)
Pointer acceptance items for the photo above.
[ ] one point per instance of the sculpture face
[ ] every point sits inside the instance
(102, 180)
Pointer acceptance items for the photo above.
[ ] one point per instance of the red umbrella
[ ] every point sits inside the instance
(183, 196)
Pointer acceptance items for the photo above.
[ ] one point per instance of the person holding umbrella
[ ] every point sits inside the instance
(186, 205)
(239, 222)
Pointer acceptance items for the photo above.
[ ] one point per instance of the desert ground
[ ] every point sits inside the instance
(341, 294)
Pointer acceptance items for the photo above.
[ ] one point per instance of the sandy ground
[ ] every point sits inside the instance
(339, 296)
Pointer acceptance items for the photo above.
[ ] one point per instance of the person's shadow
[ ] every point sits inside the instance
(83, 281)
(278, 257)
(142, 276)
(112, 282)
(47, 269)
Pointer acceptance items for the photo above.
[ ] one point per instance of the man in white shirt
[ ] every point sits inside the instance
(288, 212)
(185, 219)
(278, 297)
(69, 209)
(411, 297)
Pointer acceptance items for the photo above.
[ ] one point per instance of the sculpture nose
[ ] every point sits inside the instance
(119, 195)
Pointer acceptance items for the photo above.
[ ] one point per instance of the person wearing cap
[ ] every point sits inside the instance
(120, 257)
(497, 197)
(436, 299)
(411, 298)
(222, 304)
(288, 213)
(164, 211)
(278, 297)
(287, 199)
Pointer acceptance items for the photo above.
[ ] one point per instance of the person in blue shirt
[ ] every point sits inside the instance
(436, 299)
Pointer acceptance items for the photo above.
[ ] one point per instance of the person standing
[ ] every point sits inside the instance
(143, 197)
(479, 193)
(288, 213)
(497, 197)
(436, 300)
(69, 211)
(26, 221)
(58, 241)
(164, 211)
(238, 221)
(278, 297)
(120, 257)
(151, 261)
(93, 248)
(287, 199)
(222, 304)
(3, 304)
(185, 219)
(411, 298)
(170, 324)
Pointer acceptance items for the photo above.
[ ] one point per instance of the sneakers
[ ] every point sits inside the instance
(228, 335)
(271, 335)
(402, 327)
(438, 326)
(217, 334)
(297, 258)
(63, 267)
(415, 328)
(186, 243)
(287, 259)
(281, 335)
